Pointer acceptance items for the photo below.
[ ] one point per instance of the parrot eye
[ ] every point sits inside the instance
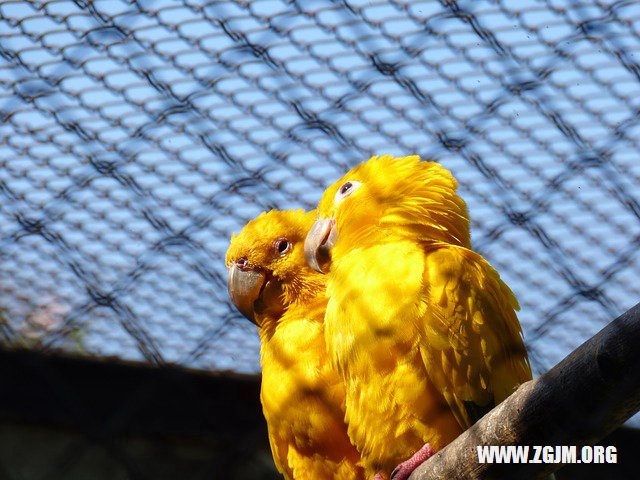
(346, 189)
(282, 246)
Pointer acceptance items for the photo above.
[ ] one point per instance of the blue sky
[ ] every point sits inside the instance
(137, 137)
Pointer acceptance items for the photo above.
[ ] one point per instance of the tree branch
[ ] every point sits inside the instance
(578, 402)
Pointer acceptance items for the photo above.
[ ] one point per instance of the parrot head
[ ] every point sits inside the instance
(266, 267)
(384, 197)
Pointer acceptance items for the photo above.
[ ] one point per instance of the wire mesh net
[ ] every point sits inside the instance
(136, 136)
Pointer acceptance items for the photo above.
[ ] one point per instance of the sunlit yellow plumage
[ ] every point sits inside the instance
(302, 395)
(421, 328)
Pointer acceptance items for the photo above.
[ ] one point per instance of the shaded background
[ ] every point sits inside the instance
(136, 136)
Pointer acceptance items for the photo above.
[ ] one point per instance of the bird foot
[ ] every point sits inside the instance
(379, 476)
(402, 471)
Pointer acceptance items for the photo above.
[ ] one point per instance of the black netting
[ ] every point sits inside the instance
(136, 136)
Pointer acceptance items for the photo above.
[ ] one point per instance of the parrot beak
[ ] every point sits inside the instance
(254, 290)
(320, 239)
(245, 285)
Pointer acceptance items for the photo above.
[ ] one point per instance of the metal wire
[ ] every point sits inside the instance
(136, 136)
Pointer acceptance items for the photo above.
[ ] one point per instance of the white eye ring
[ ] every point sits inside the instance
(346, 189)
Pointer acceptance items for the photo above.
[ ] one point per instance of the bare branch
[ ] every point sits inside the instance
(578, 402)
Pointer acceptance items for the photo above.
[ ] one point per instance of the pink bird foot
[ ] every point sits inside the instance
(402, 471)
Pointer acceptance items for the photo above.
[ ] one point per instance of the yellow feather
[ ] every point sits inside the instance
(303, 397)
(419, 326)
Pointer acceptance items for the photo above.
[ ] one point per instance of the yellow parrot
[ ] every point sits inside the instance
(421, 328)
(302, 395)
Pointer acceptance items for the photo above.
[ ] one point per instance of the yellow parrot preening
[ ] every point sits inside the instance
(302, 394)
(422, 329)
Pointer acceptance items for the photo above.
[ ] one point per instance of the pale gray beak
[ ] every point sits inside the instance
(320, 239)
(245, 285)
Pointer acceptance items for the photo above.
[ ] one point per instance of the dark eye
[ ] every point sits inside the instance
(282, 246)
(345, 190)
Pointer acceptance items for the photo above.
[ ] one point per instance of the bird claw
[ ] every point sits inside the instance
(404, 470)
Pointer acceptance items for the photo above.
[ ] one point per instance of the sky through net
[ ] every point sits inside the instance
(136, 136)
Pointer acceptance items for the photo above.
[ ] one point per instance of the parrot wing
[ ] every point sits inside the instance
(472, 341)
